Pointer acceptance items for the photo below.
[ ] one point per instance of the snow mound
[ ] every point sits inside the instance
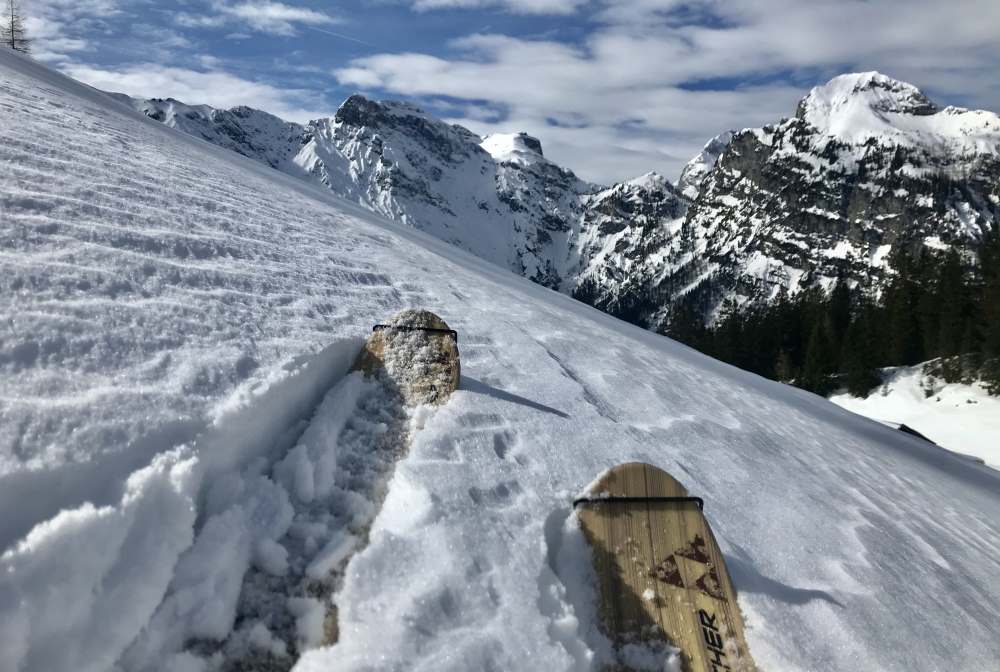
(183, 449)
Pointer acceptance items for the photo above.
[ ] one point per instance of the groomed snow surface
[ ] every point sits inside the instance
(177, 419)
(960, 417)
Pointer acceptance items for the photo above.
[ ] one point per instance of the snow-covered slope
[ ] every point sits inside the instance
(178, 421)
(961, 417)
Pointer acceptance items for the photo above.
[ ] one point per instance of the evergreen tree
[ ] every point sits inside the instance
(840, 312)
(12, 32)
(859, 357)
(686, 324)
(784, 370)
(951, 295)
(989, 309)
(902, 300)
(931, 307)
(927, 275)
(819, 360)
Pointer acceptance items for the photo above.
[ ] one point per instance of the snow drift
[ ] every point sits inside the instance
(177, 319)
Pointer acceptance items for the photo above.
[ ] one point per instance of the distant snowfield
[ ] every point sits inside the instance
(961, 418)
(176, 415)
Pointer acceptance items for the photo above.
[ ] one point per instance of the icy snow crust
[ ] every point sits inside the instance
(175, 316)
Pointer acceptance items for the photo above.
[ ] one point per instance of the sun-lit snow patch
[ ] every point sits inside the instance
(881, 254)
(962, 418)
(513, 147)
(842, 250)
(813, 210)
(935, 242)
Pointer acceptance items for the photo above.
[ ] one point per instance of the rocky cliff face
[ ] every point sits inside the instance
(867, 164)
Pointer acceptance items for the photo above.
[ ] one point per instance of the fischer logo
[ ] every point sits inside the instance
(713, 640)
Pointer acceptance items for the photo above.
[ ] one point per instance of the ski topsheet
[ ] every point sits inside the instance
(661, 576)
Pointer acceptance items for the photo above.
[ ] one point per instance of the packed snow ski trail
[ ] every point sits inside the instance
(172, 313)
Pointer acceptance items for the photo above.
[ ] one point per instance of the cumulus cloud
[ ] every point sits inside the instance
(654, 79)
(210, 87)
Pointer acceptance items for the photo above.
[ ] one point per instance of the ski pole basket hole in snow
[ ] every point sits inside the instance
(450, 332)
(612, 500)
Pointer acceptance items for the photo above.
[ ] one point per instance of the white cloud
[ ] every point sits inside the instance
(263, 16)
(210, 87)
(634, 89)
(188, 20)
(605, 118)
(60, 28)
(515, 6)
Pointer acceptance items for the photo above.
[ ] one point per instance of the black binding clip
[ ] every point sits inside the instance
(450, 332)
(611, 500)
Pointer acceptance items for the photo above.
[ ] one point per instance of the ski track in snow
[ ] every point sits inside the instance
(175, 316)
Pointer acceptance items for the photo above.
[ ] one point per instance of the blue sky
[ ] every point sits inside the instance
(613, 88)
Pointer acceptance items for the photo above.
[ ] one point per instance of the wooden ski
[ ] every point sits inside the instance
(660, 572)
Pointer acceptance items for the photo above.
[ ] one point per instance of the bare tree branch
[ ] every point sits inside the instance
(12, 32)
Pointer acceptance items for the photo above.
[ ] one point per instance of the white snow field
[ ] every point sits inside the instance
(176, 418)
(960, 417)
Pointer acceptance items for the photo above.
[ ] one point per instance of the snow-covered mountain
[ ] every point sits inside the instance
(497, 197)
(178, 435)
(866, 165)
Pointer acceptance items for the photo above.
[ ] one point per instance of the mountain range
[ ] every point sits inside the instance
(865, 166)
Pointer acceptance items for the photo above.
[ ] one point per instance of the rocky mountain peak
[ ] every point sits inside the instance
(650, 182)
(358, 110)
(862, 109)
(872, 90)
(505, 146)
(697, 170)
